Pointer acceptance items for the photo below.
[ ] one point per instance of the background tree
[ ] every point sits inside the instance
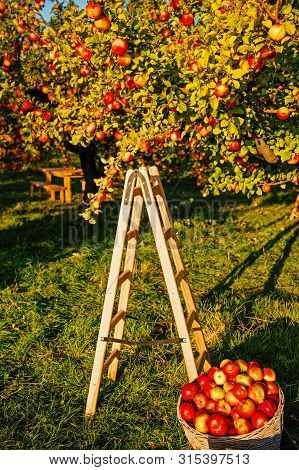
(206, 85)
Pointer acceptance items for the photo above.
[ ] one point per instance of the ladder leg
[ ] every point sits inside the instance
(169, 278)
(125, 288)
(101, 348)
(204, 361)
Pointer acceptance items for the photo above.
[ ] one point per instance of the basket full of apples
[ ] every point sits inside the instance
(234, 406)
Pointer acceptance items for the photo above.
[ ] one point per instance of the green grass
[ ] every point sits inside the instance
(242, 259)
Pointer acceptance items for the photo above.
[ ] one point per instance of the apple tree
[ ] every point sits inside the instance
(208, 86)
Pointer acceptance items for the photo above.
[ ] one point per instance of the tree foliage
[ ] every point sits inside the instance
(204, 85)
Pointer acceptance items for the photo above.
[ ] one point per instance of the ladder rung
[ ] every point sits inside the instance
(137, 191)
(110, 358)
(180, 276)
(123, 277)
(169, 233)
(117, 317)
(155, 342)
(132, 234)
(156, 190)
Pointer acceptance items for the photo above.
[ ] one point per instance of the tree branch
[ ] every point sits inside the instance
(267, 10)
(276, 11)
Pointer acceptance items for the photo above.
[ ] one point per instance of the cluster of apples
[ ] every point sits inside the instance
(234, 399)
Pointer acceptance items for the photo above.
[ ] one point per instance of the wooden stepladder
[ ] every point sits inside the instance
(144, 187)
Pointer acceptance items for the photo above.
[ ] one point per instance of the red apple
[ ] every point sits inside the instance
(188, 391)
(256, 393)
(164, 16)
(267, 53)
(210, 405)
(211, 372)
(283, 113)
(218, 425)
(103, 24)
(175, 136)
(119, 46)
(234, 414)
(93, 10)
(221, 89)
(228, 386)
(26, 106)
(100, 135)
(212, 121)
(2, 7)
(118, 135)
(242, 426)
(194, 66)
(217, 393)
(140, 80)
(266, 188)
(242, 365)
(200, 400)
(91, 128)
(222, 407)
(124, 60)
(231, 399)
(37, 112)
(269, 374)
(277, 32)
(33, 37)
(86, 54)
(259, 419)
(244, 379)
(208, 387)
(246, 408)
(175, 4)
(201, 422)
(204, 131)
(202, 380)
(269, 407)
(85, 71)
(253, 364)
(230, 369)
(234, 146)
(187, 412)
(108, 98)
(240, 392)
(255, 373)
(187, 19)
(273, 397)
(43, 138)
(166, 33)
(272, 388)
(47, 116)
(127, 157)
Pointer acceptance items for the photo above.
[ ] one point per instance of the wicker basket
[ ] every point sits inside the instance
(268, 437)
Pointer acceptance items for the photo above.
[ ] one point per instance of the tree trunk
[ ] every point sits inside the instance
(88, 159)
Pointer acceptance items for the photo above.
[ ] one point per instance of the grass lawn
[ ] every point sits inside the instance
(242, 259)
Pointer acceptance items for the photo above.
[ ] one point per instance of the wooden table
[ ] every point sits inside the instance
(67, 176)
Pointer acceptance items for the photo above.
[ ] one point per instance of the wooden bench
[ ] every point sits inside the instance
(36, 184)
(53, 189)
